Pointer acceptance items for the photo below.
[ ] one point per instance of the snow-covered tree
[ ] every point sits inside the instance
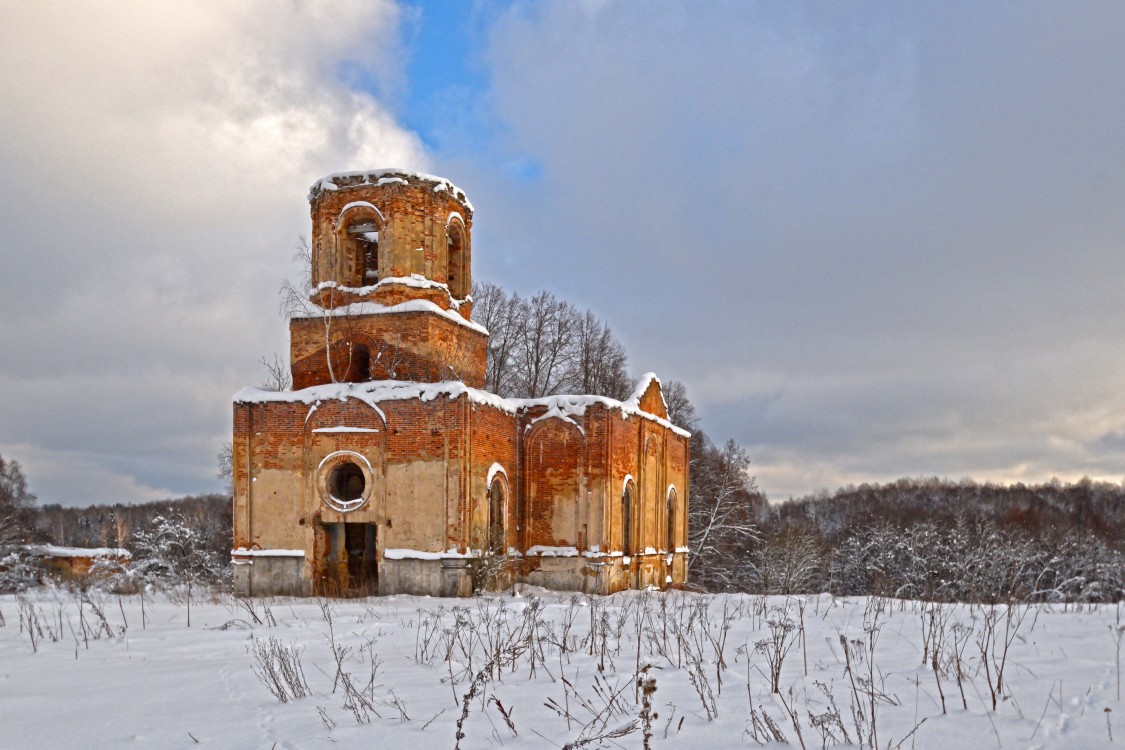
(681, 411)
(723, 514)
(15, 504)
(598, 364)
(172, 553)
(786, 560)
(17, 570)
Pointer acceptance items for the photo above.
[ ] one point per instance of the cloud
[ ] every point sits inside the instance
(875, 242)
(153, 165)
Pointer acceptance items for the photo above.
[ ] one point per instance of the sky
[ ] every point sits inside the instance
(873, 240)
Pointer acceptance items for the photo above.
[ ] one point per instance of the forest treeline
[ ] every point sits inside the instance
(116, 525)
(942, 540)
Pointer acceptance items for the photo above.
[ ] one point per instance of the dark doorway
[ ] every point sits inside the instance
(351, 568)
(359, 539)
(359, 365)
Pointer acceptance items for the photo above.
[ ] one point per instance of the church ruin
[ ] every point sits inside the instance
(387, 469)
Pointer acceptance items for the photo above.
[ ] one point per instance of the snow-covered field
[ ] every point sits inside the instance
(545, 670)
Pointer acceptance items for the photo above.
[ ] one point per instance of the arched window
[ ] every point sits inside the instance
(671, 521)
(457, 277)
(348, 253)
(497, 543)
(627, 519)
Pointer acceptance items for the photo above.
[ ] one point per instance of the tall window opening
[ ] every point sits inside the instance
(496, 541)
(457, 277)
(671, 519)
(366, 238)
(627, 520)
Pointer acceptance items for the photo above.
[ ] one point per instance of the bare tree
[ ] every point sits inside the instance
(225, 460)
(722, 517)
(278, 375)
(17, 569)
(542, 354)
(296, 301)
(499, 313)
(15, 505)
(598, 363)
(543, 346)
(787, 561)
(681, 412)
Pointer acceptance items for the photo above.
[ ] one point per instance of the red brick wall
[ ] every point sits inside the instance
(417, 346)
(494, 440)
(554, 455)
(652, 401)
(413, 237)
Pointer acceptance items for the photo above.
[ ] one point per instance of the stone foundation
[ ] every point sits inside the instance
(261, 575)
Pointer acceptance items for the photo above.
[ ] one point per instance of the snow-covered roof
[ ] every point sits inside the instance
(564, 406)
(50, 550)
(374, 308)
(387, 177)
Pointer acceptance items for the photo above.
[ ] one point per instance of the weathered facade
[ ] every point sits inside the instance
(387, 470)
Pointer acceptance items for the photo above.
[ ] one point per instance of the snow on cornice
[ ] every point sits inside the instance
(415, 280)
(575, 406)
(374, 308)
(386, 177)
(374, 392)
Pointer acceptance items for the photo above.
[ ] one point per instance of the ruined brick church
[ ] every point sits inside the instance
(387, 469)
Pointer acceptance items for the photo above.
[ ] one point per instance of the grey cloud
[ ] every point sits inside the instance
(893, 230)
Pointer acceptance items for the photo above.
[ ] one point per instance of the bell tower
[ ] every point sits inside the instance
(391, 283)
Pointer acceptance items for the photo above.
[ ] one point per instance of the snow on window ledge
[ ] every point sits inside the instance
(51, 550)
(244, 552)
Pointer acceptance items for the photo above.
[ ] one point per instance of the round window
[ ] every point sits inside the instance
(346, 483)
(344, 480)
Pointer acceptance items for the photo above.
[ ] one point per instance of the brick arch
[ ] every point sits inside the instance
(349, 413)
(554, 457)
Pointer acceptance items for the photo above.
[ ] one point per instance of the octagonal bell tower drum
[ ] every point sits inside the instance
(391, 283)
